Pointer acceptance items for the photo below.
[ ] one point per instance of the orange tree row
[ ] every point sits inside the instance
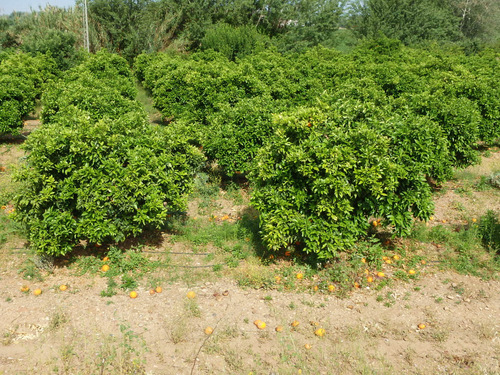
(96, 170)
(331, 140)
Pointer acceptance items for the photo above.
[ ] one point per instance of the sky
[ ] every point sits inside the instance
(9, 6)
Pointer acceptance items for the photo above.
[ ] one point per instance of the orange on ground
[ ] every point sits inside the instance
(356, 285)
(158, 289)
(363, 260)
(37, 292)
(369, 279)
(331, 288)
(421, 326)
(105, 268)
(105, 259)
(307, 346)
(133, 294)
(295, 323)
(315, 288)
(191, 294)
(152, 291)
(388, 261)
(320, 332)
(63, 287)
(261, 325)
(209, 331)
(396, 257)
(412, 272)
(380, 274)
(299, 276)
(423, 262)
(279, 328)
(25, 288)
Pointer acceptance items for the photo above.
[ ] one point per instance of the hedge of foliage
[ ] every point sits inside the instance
(331, 141)
(96, 170)
(22, 78)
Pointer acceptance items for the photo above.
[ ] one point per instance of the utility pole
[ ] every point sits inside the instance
(86, 43)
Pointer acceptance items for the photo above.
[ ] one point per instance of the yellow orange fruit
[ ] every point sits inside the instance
(261, 325)
(356, 285)
(63, 287)
(279, 328)
(431, 218)
(388, 261)
(412, 272)
(331, 288)
(308, 346)
(423, 262)
(256, 322)
(105, 259)
(384, 258)
(37, 292)
(363, 260)
(380, 274)
(25, 288)
(209, 331)
(277, 278)
(133, 294)
(191, 294)
(474, 219)
(374, 223)
(315, 288)
(320, 332)
(421, 326)
(295, 323)
(152, 291)
(299, 276)
(396, 257)
(369, 279)
(158, 289)
(105, 268)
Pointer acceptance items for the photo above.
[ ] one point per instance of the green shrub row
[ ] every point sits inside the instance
(22, 78)
(333, 142)
(96, 171)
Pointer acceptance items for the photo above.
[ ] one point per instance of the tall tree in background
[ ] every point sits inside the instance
(407, 20)
(478, 18)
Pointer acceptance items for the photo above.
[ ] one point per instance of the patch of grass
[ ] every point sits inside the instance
(463, 249)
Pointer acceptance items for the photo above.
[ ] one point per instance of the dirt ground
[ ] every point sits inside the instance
(370, 332)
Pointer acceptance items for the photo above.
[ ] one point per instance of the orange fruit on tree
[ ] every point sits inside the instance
(37, 292)
(158, 289)
(191, 294)
(320, 332)
(105, 268)
(209, 331)
(63, 287)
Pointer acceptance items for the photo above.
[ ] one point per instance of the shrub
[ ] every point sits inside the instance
(318, 183)
(100, 181)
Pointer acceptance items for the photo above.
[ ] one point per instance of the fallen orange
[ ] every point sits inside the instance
(63, 287)
(191, 294)
(133, 294)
